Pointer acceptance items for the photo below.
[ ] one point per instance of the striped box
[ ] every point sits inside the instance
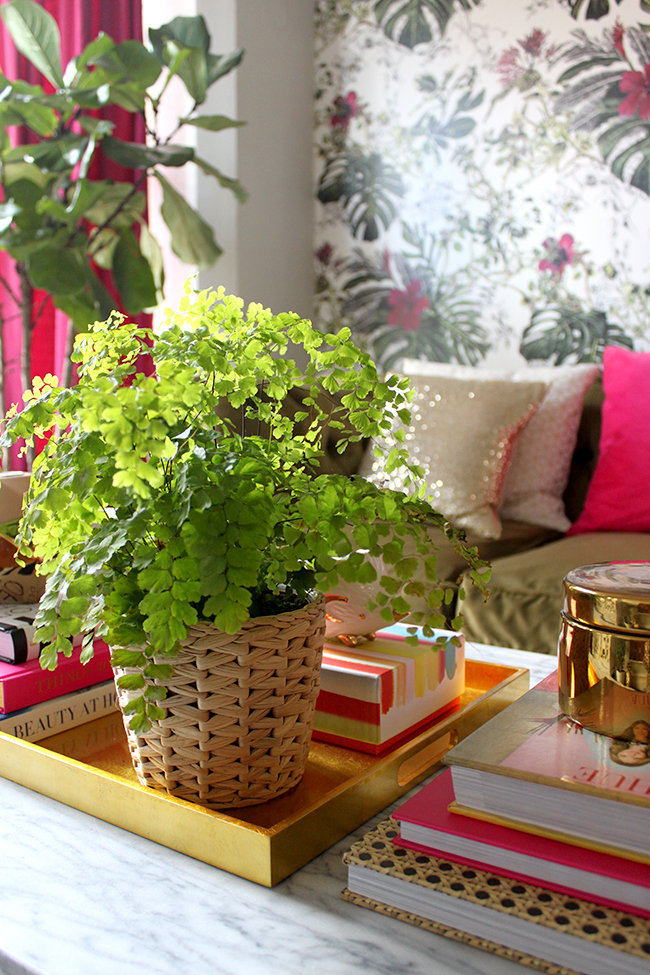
(373, 696)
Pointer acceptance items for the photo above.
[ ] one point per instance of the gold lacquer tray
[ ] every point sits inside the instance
(89, 768)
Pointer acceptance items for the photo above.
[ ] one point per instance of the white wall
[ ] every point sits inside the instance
(268, 241)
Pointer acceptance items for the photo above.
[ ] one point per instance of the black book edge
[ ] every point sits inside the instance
(19, 646)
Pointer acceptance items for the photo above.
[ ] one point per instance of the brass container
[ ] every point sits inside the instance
(604, 649)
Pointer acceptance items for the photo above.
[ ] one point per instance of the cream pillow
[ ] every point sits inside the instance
(541, 458)
(462, 432)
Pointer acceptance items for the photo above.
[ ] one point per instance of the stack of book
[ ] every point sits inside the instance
(534, 845)
(37, 703)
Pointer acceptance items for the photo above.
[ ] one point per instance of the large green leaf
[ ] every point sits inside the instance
(53, 155)
(29, 111)
(26, 195)
(129, 96)
(36, 35)
(226, 181)
(92, 304)
(83, 196)
(405, 21)
(130, 60)
(115, 205)
(189, 35)
(192, 238)
(102, 247)
(15, 170)
(132, 274)
(98, 46)
(57, 271)
(136, 156)
(90, 97)
(214, 123)
(152, 251)
(222, 64)
(186, 31)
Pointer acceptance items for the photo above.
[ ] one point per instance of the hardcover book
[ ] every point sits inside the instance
(374, 695)
(532, 768)
(50, 717)
(427, 825)
(524, 922)
(22, 685)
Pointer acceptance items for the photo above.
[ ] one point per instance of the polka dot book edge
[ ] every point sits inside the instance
(575, 935)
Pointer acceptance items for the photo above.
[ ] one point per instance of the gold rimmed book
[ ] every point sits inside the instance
(534, 769)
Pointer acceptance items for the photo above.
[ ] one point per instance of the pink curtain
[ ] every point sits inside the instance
(79, 22)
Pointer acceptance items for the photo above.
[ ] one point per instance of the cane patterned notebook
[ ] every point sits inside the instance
(540, 928)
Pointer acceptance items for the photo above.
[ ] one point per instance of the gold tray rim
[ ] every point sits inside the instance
(263, 854)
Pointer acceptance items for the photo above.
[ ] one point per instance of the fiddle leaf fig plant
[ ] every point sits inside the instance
(191, 494)
(60, 224)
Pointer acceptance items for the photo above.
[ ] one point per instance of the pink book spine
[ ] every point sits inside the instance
(22, 685)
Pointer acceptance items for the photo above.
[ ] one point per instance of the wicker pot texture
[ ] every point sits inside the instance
(239, 711)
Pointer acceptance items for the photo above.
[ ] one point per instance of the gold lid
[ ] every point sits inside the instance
(613, 595)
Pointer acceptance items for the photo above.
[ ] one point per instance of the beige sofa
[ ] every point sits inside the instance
(529, 562)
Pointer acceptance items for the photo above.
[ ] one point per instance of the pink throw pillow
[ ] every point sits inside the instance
(618, 499)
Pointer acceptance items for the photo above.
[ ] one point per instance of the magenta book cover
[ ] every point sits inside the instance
(532, 739)
(429, 808)
(22, 685)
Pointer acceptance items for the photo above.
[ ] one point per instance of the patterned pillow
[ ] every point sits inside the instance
(541, 458)
(462, 432)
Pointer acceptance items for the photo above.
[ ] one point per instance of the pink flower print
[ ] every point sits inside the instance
(324, 253)
(345, 109)
(533, 43)
(637, 86)
(559, 253)
(508, 66)
(618, 33)
(407, 306)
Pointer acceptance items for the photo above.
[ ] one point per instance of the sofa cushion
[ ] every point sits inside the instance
(525, 601)
(541, 459)
(462, 432)
(618, 498)
(542, 454)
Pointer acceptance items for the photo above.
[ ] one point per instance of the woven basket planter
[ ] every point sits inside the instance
(240, 711)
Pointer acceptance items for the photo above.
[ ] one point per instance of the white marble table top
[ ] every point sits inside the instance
(81, 897)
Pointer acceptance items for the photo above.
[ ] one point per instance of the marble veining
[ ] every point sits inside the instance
(83, 897)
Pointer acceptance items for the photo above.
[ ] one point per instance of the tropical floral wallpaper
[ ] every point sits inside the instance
(483, 177)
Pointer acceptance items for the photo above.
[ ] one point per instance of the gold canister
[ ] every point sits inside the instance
(604, 649)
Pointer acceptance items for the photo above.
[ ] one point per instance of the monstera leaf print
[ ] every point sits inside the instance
(449, 332)
(596, 99)
(415, 315)
(365, 186)
(595, 8)
(561, 332)
(406, 21)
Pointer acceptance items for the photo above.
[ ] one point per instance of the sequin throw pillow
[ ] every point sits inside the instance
(462, 432)
(541, 458)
